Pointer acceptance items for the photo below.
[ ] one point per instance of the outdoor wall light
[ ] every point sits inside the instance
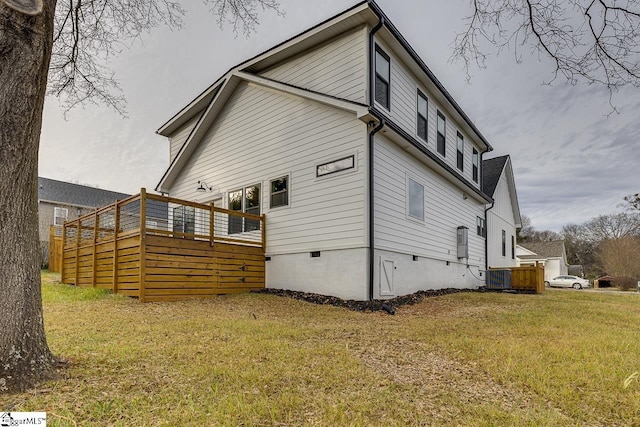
(203, 187)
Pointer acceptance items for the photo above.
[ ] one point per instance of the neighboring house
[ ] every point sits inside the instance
(552, 255)
(60, 201)
(503, 215)
(368, 171)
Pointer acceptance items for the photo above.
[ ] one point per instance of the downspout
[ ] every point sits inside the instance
(486, 222)
(372, 79)
(372, 137)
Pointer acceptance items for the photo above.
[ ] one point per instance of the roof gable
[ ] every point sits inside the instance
(492, 171)
(66, 193)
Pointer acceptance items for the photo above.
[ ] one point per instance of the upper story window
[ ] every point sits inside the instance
(474, 160)
(383, 77)
(245, 200)
(60, 215)
(423, 105)
(442, 133)
(460, 154)
(415, 202)
(280, 192)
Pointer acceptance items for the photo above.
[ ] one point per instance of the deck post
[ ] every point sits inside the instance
(95, 244)
(263, 222)
(116, 225)
(212, 210)
(143, 249)
(78, 235)
(64, 240)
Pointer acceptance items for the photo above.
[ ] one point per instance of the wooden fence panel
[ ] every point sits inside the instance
(56, 244)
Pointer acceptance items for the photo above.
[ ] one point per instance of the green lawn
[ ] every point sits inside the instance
(468, 359)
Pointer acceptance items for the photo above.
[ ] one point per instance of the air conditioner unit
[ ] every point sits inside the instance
(463, 242)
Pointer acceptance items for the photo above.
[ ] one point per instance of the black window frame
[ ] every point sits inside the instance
(475, 161)
(459, 153)
(504, 243)
(380, 78)
(420, 117)
(441, 139)
(239, 224)
(513, 247)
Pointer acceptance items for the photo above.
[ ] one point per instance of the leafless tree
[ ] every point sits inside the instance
(614, 226)
(60, 47)
(620, 257)
(632, 202)
(590, 41)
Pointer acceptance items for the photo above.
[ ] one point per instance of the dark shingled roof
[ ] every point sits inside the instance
(491, 171)
(544, 249)
(61, 192)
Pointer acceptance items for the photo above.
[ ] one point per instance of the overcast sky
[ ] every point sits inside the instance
(572, 159)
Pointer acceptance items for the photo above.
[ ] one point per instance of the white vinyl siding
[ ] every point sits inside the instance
(499, 218)
(337, 68)
(178, 138)
(262, 134)
(403, 112)
(446, 209)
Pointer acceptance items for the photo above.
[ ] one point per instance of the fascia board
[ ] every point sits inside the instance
(195, 106)
(196, 134)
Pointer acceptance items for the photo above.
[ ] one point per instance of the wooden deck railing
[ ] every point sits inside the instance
(144, 214)
(157, 248)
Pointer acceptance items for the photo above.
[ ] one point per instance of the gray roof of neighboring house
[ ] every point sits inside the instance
(554, 249)
(491, 171)
(66, 193)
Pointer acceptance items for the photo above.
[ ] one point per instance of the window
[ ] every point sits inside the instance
(474, 160)
(513, 247)
(504, 243)
(184, 219)
(422, 116)
(245, 200)
(460, 157)
(279, 192)
(383, 76)
(416, 199)
(481, 228)
(60, 215)
(442, 131)
(335, 166)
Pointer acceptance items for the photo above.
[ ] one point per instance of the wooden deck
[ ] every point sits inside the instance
(146, 247)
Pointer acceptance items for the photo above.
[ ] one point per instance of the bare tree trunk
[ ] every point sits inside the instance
(25, 52)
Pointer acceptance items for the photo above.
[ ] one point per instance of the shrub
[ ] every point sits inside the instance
(624, 283)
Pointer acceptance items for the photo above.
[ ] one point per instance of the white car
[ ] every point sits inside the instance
(574, 282)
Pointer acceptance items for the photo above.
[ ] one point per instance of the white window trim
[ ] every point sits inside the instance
(65, 216)
(268, 195)
(420, 182)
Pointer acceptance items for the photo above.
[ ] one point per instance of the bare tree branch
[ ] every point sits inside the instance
(88, 33)
(593, 42)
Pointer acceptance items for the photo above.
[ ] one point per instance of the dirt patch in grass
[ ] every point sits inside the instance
(388, 305)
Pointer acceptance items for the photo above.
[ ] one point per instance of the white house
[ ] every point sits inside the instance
(503, 214)
(368, 171)
(552, 255)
